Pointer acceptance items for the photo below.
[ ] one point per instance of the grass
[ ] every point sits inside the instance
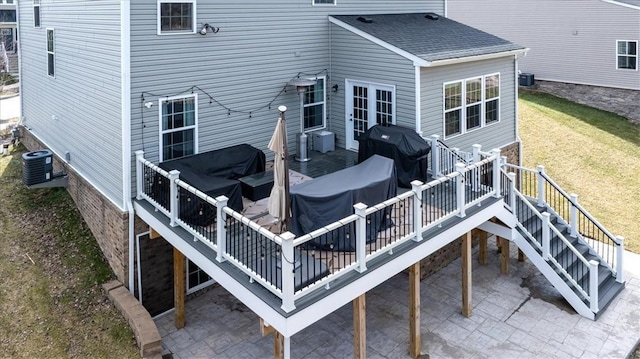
(51, 303)
(593, 153)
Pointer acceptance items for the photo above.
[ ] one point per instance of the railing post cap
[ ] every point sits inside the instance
(496, 151)
(460, 165)
(287, 236)
(139, 153)
(174, 173)
(416, 183)
(511, 175)
(541, 168)
(435, 136)
(573, 195)
(360, 206)
(620, 238)
(222, 199)
(546, 215)
(594, 262)
(476, 145)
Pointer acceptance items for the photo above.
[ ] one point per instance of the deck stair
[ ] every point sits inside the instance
(574, 252)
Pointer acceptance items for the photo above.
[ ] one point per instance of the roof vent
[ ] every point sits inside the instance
(432, 16)
(366, 20)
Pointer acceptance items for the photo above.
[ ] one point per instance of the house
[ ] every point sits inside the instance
(122, 87)
(8, 37)
(589, 42)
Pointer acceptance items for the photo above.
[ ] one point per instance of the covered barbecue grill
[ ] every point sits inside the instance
(403, 145)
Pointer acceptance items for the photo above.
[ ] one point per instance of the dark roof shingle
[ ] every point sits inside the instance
(431, 40)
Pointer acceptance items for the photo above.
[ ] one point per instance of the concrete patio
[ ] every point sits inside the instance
(515, 315)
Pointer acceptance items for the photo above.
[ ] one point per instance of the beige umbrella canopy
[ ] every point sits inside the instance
(279, 198)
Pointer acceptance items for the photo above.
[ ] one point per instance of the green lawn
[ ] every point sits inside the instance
(592, 153)
(51, 302)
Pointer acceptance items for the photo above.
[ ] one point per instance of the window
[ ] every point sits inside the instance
(178, 119)
(480, 105)
(452, 108)
(196, 278)
(492, 96)
(51, 55)
(324, 2)
(36, 13)
(176, 17)
(314, 105)
(627, 55)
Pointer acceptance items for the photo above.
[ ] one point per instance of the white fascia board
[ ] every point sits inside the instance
(417, 61)
(461, 60)
(614, 2)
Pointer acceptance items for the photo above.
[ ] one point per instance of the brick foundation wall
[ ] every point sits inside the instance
(156, 262)
(106, 221)
(512, 152)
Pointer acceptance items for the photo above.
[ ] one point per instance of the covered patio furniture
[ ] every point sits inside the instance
(323, 200)
(403, 145)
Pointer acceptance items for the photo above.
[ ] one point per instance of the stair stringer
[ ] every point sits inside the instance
(545, 268)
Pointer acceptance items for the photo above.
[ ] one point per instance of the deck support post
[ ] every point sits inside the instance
(360, 210)
(482, 246)
(278, 344)
(497, 163)
(504, 255)
(540, 186)
(417, 209)
(359, 327)
(435, 157)
(460, 188)
(173, 197)
(153, 234)
(139, 174)
(179, 287)
(221, 231)
(619, 259)
(415, 341)
(466, 274)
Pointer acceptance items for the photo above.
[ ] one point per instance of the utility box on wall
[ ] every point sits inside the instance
(323, 141)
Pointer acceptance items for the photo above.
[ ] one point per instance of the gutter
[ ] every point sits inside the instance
(461, 60)
(125, 93)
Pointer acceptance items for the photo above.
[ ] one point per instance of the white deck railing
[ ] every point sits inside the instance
(291, 267)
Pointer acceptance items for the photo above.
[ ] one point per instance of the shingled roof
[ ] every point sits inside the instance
(428, 36)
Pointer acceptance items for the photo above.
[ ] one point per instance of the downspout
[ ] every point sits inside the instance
(19, 35)
(125, 93)
(417, 100)
(446, 8)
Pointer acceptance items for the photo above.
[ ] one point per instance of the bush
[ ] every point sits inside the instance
(7, 79)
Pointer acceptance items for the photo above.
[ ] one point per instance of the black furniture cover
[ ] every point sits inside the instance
(215, 173)
(324, 200)
(403, 145)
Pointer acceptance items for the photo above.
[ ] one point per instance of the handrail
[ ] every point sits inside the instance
(462, 159)
(580, 208)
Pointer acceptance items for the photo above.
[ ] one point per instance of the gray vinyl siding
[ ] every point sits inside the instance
(85, 93)
(492, 136)
(260, 47)
(355, 58)
(570, 41)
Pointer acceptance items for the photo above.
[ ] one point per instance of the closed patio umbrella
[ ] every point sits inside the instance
(279, 198)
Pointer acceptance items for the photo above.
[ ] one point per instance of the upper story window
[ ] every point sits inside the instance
(627, 54)
(314, 105)
(324, 2)
(176, 17)
(36, 13)
(51, 54)
(178, 126)
(470, 104)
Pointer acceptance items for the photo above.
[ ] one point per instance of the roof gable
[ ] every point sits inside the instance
(428, 39)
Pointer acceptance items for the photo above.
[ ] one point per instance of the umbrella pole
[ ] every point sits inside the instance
(287, 217)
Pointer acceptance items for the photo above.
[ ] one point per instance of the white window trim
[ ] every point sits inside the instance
(324, 105)
(463, 106)
(193, 19)
(46, 36)
(636, 55)
(36, 4)
(313, 3)
(194, 126)
(202, 285)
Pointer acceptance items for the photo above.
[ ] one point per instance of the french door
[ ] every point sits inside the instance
(367, 104)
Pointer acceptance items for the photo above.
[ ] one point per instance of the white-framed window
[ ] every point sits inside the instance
(196, 278)
(178, 126)
(315, 105)
(51, 54)
(471, 104)
(627, 55)
(324, 2)
(176, 17)
(36, 13)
